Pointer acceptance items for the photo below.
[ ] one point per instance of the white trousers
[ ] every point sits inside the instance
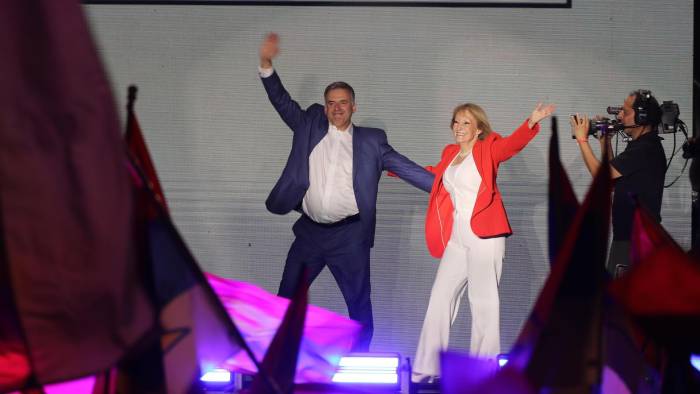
(470, 263)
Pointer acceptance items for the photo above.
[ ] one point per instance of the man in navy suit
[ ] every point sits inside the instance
(331, 177)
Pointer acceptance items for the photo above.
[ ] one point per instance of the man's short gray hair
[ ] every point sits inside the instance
(339, 85)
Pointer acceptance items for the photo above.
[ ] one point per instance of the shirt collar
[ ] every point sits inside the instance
(333, 129)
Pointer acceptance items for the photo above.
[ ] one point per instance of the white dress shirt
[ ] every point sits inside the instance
(331, 196)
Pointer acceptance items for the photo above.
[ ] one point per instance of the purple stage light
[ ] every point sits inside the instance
(369, 369)
(502, 360)
(217, 376)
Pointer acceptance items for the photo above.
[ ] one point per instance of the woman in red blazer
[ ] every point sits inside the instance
(466, 225)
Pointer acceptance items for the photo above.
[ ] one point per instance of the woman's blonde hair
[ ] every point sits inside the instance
(482, 121)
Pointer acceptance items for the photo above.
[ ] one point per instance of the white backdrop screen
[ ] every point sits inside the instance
(219, 146)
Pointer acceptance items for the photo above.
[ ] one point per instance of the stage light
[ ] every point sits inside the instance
(371, 377)
(217, 380)
(380, 369)
(695, 361)
(217, 376)
(502, 360)
(380, 362)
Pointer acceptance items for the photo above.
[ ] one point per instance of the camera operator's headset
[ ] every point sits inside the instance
(641, 107)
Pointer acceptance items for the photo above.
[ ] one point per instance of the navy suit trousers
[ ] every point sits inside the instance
(345, 249)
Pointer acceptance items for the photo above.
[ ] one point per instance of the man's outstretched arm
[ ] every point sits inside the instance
(405, 169)
(288, 109)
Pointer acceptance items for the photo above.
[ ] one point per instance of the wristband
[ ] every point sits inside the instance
(581, 140)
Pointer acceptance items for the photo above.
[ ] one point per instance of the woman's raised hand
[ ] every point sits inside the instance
(540, 112)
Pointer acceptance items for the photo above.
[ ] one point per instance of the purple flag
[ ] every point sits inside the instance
(258, 315)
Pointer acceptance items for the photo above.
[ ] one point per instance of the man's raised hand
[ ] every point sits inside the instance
(269, 48)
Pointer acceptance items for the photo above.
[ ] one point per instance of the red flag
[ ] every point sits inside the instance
(662, 289)
(198, 334)
(139, 152)
(647, 236)
(14, 360)
(560, 344)
(65, 198)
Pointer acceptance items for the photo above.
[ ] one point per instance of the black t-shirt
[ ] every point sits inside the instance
(643, 168)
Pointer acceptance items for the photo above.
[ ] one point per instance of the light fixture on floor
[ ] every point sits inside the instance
(218, 379)
(376, 369)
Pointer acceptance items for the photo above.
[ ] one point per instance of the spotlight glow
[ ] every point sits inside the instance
(366, 377)
(695, 361)
(368, 368)
(217, 376)
(502, 360)
(369, 362)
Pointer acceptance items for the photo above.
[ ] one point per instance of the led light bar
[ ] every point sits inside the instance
(372, 377)
(369, 368)
(217, 376)
(380, 362)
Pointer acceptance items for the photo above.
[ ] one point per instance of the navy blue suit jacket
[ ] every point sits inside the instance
(371, 155)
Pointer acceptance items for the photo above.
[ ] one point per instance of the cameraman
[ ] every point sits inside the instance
(638, 171)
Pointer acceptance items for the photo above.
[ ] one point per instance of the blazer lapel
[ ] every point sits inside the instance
(484, 167)
(356, 135)
(317, 136)
(478, 154)
(446, 163)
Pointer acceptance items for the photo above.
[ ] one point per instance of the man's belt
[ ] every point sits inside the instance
(347, 220)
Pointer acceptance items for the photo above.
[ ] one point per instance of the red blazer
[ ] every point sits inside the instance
(489, 217)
